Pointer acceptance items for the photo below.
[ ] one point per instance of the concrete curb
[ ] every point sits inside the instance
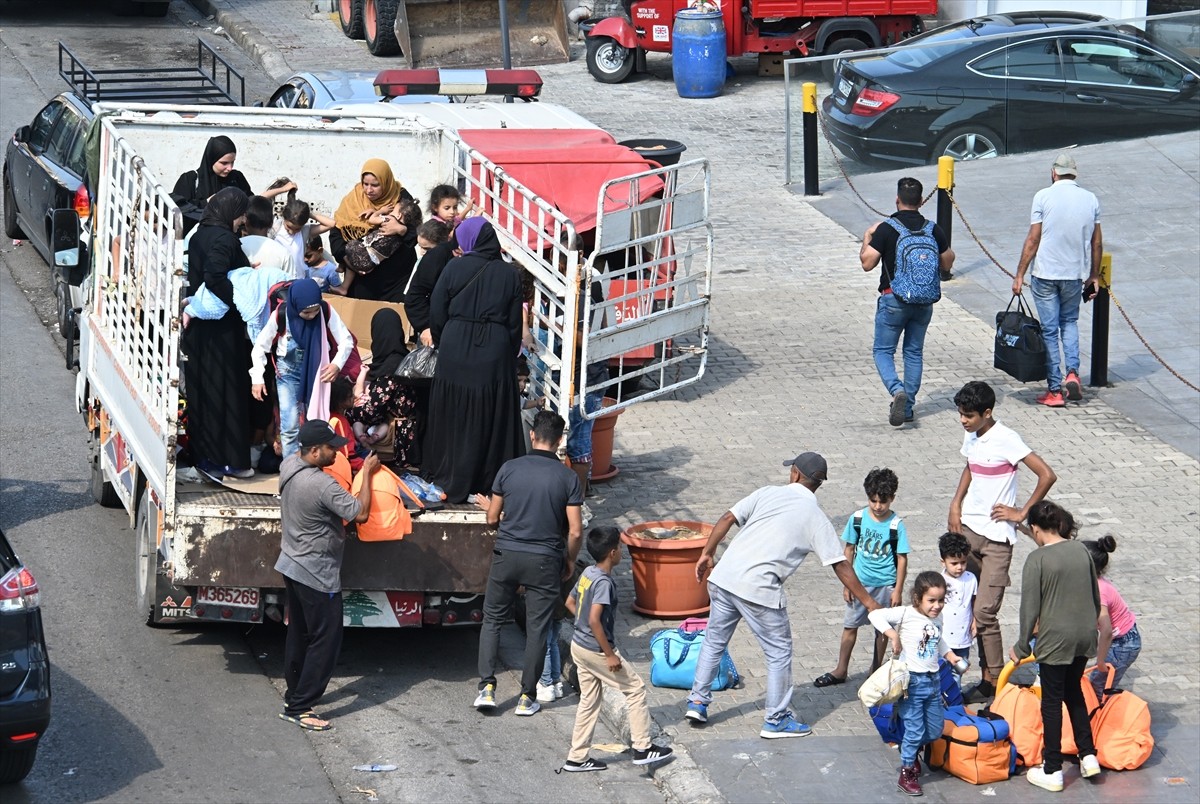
(682, 780)
(247, 37)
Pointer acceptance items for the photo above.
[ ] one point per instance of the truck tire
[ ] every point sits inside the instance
(837, 46)
(11, 227)
(146, 560)
(102, 491)
(607, 60)
(379, 27)
(968, 143)
(16, 762)
(350, 15)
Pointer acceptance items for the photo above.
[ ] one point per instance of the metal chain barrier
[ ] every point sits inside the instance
(1120, 308)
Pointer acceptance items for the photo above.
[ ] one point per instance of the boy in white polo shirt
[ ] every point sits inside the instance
(983, 511)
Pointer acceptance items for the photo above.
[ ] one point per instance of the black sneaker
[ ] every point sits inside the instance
(980, 692)
(654, 753)
(588, 764)
(896, 411)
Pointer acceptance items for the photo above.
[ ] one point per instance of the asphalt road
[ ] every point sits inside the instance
(166, 715)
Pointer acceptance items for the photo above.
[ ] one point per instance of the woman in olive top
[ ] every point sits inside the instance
(1060, 602)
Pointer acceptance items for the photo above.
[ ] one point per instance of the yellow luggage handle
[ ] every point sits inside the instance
(1007, 671)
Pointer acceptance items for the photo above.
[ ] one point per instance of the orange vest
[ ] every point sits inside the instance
(388, 519)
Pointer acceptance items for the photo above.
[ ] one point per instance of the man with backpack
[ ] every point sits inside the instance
(916, 254)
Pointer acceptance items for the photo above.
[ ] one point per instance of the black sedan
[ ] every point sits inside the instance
(24, 668)
(1040, 82)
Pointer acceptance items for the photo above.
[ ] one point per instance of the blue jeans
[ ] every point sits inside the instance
(552, 670)
(922, 714)
(1121, 654)
(287, 386)
(774, 633)
(893, 317)
(1057, 302)
(579, 432)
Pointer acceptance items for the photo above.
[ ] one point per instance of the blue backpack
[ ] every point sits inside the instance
(918, 277)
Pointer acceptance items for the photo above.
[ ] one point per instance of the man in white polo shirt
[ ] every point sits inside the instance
(779, 527)
(1064, 236)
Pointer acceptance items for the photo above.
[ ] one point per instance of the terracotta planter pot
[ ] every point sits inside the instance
(602, 444)
(664, 570)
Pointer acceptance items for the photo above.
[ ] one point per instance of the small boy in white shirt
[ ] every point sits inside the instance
(958, 617)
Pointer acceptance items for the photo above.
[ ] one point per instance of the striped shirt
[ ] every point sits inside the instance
(993, 459)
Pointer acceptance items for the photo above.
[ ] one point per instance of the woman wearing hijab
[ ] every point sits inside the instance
(218, 386)
(195, 188)
(386, 399)
(300, 342)
(474, 405)
(373, 207)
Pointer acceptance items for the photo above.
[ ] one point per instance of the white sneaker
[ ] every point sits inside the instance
(559, 690)
(1047, 781)
(1089, 766)
(545, 693)
(527, 707)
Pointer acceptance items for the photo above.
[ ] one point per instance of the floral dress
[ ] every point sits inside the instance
(388, 399)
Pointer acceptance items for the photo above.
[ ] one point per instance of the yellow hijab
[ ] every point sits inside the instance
(356, 202)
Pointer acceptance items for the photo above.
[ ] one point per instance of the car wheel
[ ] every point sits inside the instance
(11, 227)
(62, 309)
(968, 143)
(16, 762)
(837, 47)
(146, 570)
(102, 491)
(607, 60)
(379, 27)
(350, 15)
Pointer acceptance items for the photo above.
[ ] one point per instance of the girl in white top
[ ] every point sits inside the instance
(916, 635)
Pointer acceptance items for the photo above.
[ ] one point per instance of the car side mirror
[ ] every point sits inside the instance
(22, 134)
(1189, 84)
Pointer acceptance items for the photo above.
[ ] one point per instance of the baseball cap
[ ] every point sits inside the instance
(318, 431)
(811, 465)
(1064, 165)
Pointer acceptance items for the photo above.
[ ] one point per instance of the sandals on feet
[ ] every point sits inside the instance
(828, 680)
(307, 720)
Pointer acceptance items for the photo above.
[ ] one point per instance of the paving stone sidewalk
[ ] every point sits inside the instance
(790, 369)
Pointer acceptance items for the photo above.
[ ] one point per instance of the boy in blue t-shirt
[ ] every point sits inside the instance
(593, 603)
(877, 544)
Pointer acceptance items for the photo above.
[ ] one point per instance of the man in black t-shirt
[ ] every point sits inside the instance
(537, 542)
(894, 317)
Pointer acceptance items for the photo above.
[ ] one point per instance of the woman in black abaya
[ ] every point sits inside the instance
(194, 189)
(474, 405)
(217, 368)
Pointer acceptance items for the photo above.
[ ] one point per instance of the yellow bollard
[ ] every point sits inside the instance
(810, 98)
(945, 173)
(1106, 270)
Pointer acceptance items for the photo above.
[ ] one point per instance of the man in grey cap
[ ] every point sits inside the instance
(312, 507)
(1064, 237)
(779, 527)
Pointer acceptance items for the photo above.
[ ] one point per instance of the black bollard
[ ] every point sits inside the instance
(945, 206)
(811, 179)
(1100, 320)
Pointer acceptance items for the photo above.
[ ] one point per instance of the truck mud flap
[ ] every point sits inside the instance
(436, 556)
(466, 33)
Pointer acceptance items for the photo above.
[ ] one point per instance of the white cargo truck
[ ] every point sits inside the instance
(564, 211)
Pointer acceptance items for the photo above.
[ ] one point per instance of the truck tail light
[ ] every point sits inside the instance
(871, 102)
(19, 591)
(82, 204)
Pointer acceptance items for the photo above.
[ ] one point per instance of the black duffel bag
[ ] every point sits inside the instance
(1020, 350)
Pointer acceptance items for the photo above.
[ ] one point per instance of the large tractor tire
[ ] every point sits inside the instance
(379, 27)
(350, 15)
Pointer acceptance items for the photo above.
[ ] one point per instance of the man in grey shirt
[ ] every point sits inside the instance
(312, 508)
(780, 526)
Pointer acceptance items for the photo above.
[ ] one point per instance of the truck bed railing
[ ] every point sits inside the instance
(211, 80)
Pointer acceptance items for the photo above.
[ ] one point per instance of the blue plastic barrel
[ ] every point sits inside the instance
(698, 53)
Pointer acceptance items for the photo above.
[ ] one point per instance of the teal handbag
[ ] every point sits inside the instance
(674, 654)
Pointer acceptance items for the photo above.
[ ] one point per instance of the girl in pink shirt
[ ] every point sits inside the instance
(1120, 642)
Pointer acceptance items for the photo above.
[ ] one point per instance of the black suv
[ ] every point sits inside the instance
(24, 668)
(46, 198)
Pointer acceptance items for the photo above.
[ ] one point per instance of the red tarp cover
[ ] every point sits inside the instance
(566, 167)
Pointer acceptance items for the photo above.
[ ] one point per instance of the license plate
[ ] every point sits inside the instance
(236, 596)
(844, 87)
